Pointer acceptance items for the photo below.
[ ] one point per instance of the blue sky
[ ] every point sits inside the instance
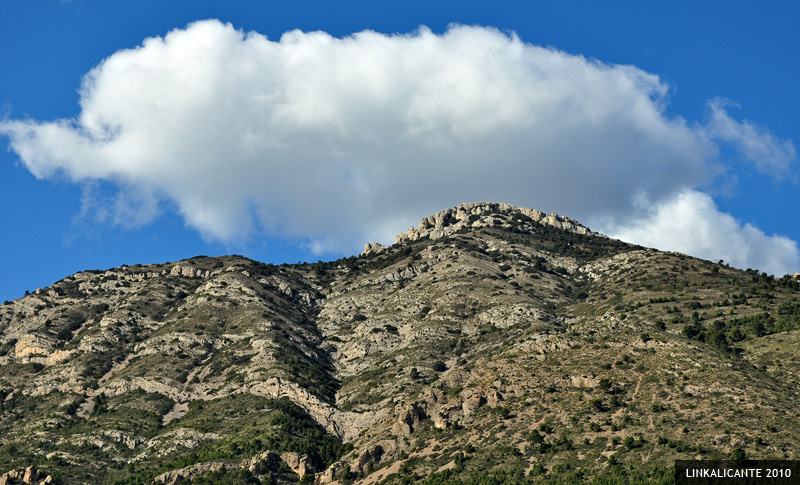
(670, 124)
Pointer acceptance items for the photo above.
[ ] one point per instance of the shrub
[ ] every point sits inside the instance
(738, 454)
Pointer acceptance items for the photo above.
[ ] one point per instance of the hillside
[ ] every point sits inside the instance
(492, 344)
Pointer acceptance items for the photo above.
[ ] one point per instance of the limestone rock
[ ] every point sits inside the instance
(328, 475)
(471, 403)
(297, 462)
(577, 381)
(373, 248)
(32, 345)
(372, 454)
(441, 419)
(262, 463)
(408, 419)
(452, 220)
(26, 475)
(30, 475)
(189, 472)
(285, 289)
(494, 398)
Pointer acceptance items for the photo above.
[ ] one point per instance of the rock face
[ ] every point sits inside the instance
(489, 339)
(408, 419)
(450, 221)
(25, 475)
(186, 474)
(261, 464)
(373, 248)
(297, 463)
(369, 458)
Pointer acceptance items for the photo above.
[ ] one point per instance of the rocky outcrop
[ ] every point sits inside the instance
(25, 475)
(482, 214)
(260, 464)
(371, 455)
(471, 402)
(297, 462)
(408, 418)
(186, 474)
(441, 419)
(322, 412)
(331, 472)
(577, 381)
(32, 345)
(373, 248)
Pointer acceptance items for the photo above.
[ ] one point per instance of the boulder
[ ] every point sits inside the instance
(373, 248)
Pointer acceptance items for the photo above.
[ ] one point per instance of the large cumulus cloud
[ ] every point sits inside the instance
(336, 141)
(690, 222)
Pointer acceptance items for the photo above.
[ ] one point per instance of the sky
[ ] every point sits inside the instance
(153, 131)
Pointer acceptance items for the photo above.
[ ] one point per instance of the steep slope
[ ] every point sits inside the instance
(115, 360)
(561, 348)
(491, 341)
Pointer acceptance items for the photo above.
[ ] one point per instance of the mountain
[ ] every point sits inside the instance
(492, 344)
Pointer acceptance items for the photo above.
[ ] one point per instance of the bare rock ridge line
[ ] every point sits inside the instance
(452, 220)
(38, 349)
(257, 465)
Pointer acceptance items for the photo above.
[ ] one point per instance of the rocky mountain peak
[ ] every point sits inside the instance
(491, 341)
(475, 215)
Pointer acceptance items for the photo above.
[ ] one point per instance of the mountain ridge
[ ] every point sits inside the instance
(449, 221)
(491, 339)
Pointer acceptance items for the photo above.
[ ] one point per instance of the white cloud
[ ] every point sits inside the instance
(690, 222)
(771, 156)
(338, 141)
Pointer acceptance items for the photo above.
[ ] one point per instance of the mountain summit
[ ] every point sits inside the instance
(491, 344)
